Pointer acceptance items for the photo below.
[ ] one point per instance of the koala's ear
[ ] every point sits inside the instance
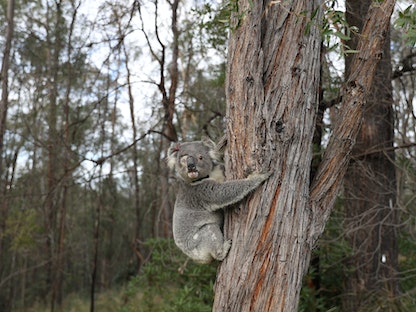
(222, 143)
(214, 152)
(208, 142)
(172, 152)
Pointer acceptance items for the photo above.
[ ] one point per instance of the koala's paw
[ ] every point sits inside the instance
(260, 176)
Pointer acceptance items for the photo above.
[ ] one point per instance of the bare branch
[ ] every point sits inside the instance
(152, 51)
(23, 271)
(101, 160)
(384, 150)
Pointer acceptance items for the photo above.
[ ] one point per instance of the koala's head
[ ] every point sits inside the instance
(193, 161)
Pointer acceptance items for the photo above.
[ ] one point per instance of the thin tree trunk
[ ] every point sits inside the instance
(370, 188)
(53, 148)
(4, 77)
(139, 232)
(59, 277)
(169, 131)
(23, 283)
(162, 219)
(96, 244)
(272, 98)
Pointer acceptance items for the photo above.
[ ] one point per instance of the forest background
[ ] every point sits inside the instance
(92, 96)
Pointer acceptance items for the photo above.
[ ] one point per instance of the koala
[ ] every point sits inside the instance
(197, 216)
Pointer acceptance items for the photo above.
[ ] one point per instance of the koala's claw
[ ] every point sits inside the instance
(227, 244)
(225, 249)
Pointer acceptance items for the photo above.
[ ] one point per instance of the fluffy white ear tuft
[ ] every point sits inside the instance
(172, 152)
(214, 152)
(215, 155)
(171, 160)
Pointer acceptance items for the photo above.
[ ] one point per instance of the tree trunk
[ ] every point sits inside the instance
(96, 245)
(272, 98)
(370, 188)
(57, 294)
(4, 77)
(54, 147)
(139, 231)
(169, 131)
(4, 103)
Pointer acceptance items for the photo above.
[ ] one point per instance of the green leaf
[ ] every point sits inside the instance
(342, 36)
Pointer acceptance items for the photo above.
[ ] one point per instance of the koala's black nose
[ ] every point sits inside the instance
(191, 163)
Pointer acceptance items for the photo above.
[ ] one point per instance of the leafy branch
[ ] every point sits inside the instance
(407, 22)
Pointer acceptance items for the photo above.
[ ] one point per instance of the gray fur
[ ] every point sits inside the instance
(197, 216)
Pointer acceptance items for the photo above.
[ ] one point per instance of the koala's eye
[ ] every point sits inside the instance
(200, 157)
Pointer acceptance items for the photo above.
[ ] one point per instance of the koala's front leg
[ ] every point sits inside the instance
(219, 195)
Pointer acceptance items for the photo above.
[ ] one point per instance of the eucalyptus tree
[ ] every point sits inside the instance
(272, 97)
(370, 187)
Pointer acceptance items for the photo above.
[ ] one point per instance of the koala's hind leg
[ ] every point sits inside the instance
(212, 244)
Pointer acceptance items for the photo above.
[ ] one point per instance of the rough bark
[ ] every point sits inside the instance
(370, 188)
(272, 84)
(272, 97)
